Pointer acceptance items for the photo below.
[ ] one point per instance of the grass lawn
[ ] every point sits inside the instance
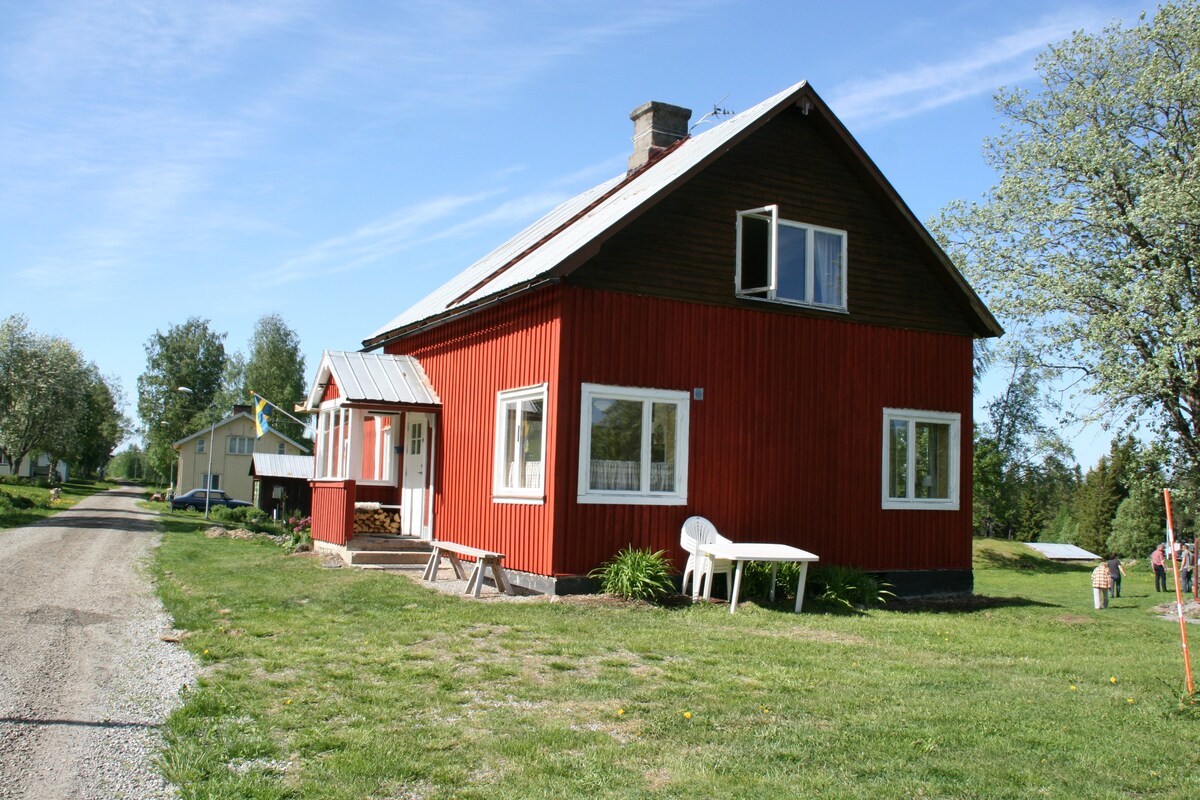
(72, 492)
(341, 683)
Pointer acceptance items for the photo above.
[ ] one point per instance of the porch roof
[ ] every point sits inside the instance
(373, 379)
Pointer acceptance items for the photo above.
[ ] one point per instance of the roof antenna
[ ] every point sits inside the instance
(716, 112)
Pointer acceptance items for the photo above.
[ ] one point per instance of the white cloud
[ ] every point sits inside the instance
(373, 241)
(1003, 61)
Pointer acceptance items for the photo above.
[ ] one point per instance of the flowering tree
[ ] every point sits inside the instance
(1087, 247)
(49, 398)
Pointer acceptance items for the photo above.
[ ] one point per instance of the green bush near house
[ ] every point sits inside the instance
(242, 515)
(636, 575)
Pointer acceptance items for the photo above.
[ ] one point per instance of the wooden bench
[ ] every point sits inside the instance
(483, 560)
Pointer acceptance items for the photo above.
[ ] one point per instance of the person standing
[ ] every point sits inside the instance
(1187, 562)
(1101, 582)
(1117, 572)
(1159, 562)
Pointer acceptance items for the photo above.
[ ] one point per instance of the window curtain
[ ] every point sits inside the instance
(827, 276)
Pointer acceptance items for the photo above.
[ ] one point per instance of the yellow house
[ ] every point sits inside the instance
(228, 447)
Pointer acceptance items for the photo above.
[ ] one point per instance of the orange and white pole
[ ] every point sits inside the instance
(1187, 662)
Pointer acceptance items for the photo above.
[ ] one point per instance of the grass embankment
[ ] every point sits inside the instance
(37, 503)
(349, 684)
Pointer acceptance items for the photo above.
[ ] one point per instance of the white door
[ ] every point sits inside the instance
(415, 479)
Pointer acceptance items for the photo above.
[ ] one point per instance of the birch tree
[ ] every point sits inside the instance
(1087, 246)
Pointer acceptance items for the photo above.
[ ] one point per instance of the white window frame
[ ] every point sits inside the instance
(243, 441)
(348, 466)
(910, 500)
(501, 491)
(200, 445)
(769, 293)
(326, 468)
(682, 402)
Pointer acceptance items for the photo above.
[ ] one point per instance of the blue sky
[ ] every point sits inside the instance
(334, 161)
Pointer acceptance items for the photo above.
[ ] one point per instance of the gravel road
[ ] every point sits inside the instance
(85, 679)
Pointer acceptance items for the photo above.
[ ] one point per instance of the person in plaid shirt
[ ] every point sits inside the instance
(1101, 582)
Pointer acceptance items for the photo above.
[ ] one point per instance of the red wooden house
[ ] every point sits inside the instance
(749, 325)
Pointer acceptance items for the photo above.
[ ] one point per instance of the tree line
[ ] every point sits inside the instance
(193, 356)
(55, 402)
(1028, 487)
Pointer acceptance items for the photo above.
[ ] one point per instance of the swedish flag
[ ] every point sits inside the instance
(262, 414)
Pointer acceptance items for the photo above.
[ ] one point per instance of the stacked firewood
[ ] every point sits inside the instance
(375, 520)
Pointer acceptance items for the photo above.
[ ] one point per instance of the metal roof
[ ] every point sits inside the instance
(500, 270)
(274, 465)
(1063, 552)
(373, 378)
(562, 239)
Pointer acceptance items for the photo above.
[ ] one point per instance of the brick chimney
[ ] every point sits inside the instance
(656, 126)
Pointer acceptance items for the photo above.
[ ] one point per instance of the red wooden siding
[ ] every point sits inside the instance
(787, 443)
(332, 392)
(468, 362)
(332, 510)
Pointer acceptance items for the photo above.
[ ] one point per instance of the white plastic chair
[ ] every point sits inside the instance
(700, 568)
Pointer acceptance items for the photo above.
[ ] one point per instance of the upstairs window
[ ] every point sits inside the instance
(239, 445)
(520, 443)
(790, 262)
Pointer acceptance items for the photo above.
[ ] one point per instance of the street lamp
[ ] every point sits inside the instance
(208, 480)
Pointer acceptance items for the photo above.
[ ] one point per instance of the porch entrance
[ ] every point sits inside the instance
(414, 486)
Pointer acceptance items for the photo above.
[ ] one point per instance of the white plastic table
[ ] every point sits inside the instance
(741, 552)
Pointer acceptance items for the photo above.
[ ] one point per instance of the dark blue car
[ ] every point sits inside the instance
(195, 500)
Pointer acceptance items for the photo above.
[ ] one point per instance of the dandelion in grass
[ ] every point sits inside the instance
(1113, 679)
(1129, 700)
(287, 701)
(687, 715)
(620, 712)
(1074, 688)
(764, 709)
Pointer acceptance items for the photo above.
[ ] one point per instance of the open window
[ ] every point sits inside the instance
(519, 467)
(790, 262)
(920, 459)
(633, 446)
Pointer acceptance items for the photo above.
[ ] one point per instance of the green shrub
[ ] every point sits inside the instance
(242, 515)
(847, 587)
(636, 575)
(756, 579)
(15, 501)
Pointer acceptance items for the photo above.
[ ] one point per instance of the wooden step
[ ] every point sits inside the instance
(360, 558)
(375, 542)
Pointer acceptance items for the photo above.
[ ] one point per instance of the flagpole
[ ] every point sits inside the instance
(1187, 662)
(275, 406)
